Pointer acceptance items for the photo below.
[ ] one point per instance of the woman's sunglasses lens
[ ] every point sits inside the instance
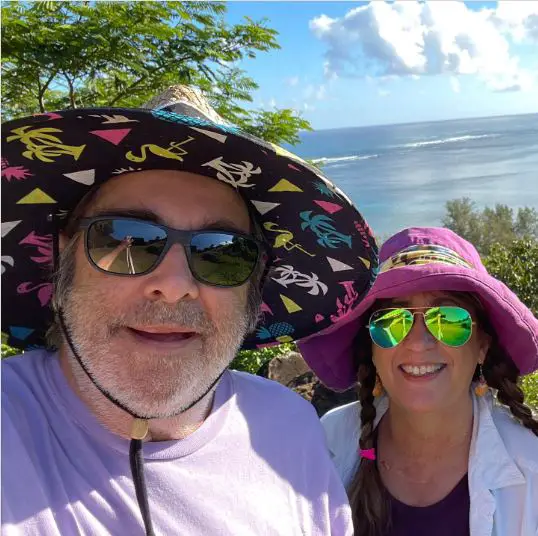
(449, 325)
(389, 327)
(122, 246)
(223, 259)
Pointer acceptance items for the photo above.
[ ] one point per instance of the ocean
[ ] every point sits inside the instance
(402, 175)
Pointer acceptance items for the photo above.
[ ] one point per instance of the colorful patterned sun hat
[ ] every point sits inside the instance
(426, 259)
(325, 256)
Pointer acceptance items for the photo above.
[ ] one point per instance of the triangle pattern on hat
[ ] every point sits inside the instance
(36, 197)
(338, 266)
(20, 333)
(366, 262)
(215, 135)
(331, 208)
(50, 115)
(114, 136)
(263, 207)
(290, 305)
(8, 226)
(86, 177)
(284, 185)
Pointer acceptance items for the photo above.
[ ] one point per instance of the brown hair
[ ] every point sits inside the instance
(368, 496)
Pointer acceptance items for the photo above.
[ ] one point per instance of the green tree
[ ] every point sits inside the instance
(491, 225)
(516, 265)
(60, 55)
(463, 218)
(252, 360)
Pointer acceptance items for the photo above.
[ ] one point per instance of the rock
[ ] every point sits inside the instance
(284, 368)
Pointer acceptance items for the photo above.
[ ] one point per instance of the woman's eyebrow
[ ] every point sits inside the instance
(446, 299)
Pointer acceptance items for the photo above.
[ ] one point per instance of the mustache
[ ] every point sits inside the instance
(186, 315)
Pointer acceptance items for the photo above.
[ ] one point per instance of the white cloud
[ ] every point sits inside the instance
(520, 19)
(411, 38)
(293, 81)
(312, 92)
(272, 103)
(383, 92)
(455, 84)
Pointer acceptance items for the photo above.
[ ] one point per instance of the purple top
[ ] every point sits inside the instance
(257, 465)
(448, 517)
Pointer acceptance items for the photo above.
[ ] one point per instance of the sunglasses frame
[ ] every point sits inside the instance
(420, 311)
(173, 236)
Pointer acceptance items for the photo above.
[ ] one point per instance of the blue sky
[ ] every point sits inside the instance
(376, 65)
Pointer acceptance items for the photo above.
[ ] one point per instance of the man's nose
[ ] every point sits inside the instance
(172, 280)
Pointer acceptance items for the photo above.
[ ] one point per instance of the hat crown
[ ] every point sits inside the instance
(185, 100)
(435, 236)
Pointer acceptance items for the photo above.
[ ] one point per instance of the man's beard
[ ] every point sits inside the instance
(156, 384)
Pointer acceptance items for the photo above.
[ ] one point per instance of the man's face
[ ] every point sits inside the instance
(157, 342)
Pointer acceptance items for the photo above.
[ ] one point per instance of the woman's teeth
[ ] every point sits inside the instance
(422, 370)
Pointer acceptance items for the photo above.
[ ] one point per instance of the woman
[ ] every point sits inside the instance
(428, 450)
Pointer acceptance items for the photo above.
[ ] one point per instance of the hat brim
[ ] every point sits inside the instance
(330, 353)
(324, 253)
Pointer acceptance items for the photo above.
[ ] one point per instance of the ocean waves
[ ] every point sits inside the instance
(343, 159)
(442, 141)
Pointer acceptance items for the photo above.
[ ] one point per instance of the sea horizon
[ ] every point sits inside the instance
(402, 175)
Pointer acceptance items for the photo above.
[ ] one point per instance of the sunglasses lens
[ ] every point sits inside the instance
(389, 327)
(125, 246)
(223, 259)
(449, 325)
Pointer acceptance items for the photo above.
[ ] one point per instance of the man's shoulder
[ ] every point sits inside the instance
(267, 398)
(263, 388)
(23, 367)
(22, 379)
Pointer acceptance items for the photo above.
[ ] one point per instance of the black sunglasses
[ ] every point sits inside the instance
(131, 247)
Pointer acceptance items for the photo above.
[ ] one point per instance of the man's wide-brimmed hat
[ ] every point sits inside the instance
(426, 259)
(325, 256)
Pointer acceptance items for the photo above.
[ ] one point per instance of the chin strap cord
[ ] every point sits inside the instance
(139, 431)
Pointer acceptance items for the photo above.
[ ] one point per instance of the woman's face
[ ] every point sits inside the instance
(454, 367)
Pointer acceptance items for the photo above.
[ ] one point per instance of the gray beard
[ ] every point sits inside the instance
(150, 385)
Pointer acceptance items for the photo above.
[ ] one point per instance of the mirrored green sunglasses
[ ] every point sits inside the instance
(450, 325)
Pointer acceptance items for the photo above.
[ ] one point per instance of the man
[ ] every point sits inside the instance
(170, 232)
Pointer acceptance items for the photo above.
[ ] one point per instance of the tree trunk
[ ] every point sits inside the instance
(40, 93)
(71, 91)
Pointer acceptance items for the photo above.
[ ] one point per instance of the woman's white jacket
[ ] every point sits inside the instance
(502, 471)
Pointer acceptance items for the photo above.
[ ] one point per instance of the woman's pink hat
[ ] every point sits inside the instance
(422, 259)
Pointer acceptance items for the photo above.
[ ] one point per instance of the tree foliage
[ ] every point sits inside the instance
(252, 360)
(491, 225)
(516, 265)
(59, 55)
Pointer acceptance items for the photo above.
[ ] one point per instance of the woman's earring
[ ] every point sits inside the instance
(378, 387)
(482, 388)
